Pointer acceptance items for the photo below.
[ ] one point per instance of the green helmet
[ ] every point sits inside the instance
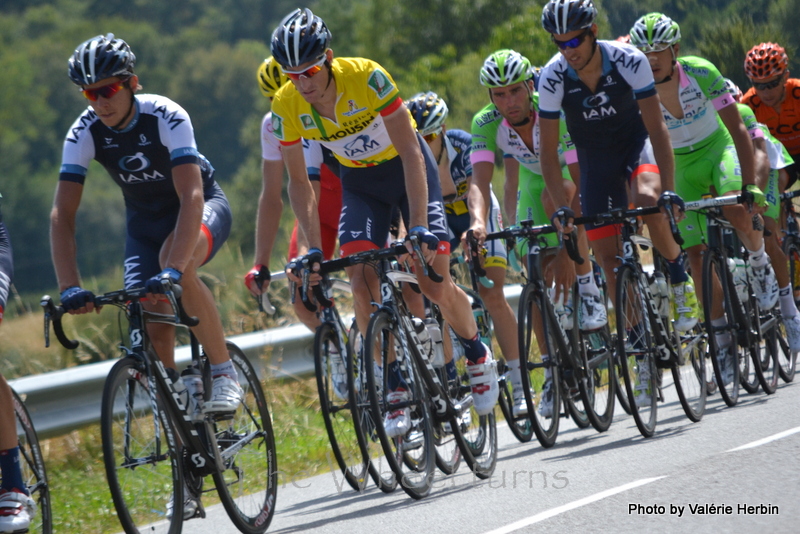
(655, 32)
(505, 67)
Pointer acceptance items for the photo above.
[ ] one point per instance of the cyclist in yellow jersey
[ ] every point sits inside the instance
(352, 106)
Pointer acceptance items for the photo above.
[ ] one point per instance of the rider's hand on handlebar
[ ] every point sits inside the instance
(77, 300)
(671, 198)
(562, 219)
(155, 285)
(429, 243)
(255, 279)
(755, 198)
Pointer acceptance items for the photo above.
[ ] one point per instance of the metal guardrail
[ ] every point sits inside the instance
(62, 401)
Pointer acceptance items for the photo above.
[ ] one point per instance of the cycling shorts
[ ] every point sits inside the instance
(530, 206)
(713, 164)
(329, 208)
(6, 268)
(146, 236)
(370, 196)
(606, 176)
(496, 254)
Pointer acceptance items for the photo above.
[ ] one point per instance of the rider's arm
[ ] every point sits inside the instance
(761, 162)
(270, 207)
(301, 195)
(404, 138)
(188, 185)
(659, 139)
(510, 188)
(551, 166)
(479, 194)
(741, 139)
(63, 247)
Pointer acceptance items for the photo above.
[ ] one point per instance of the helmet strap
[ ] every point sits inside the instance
(127, 115)
(594, 50)
(674, 62)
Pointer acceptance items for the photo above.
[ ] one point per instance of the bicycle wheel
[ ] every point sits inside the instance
(766, 365)
(596, 383)
(142, 466)
(718, 288)
(544, 417)
(619, 372)
(366, 424)
(448, 454)
(635, 342)
(33, 469)
(248, 485)
(689, 373)
(331, 373)
(520, 427)
(412, 456)
(571, 395)
(787, 358)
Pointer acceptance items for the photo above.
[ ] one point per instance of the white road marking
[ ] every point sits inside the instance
(764, 441)
(547, 514)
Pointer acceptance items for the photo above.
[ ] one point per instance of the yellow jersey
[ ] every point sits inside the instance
(357, 135)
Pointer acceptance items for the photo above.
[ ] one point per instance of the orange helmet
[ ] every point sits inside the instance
(765, 60)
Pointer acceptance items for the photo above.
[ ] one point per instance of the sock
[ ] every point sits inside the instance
(395, 377)
(788, 307)
(515, 375)
(473, 348)
(9, 467)
(759, 257)
(677, 270)
(450, 369)
(227, 368)
(587, 284)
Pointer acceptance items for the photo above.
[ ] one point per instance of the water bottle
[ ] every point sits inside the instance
(739, 277)
(435, 335)
(424, 336)
(660, 290)
(563, 308)
(193, 383)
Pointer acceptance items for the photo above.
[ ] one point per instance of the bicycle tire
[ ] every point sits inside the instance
(520, 427)
(413, 461)
(330, 366)
(32, 465)
(142, 465)
(787, 358)
(619, 380)
(448, 453)
(571, 396)
(534, 370)
(635, 341)
(248, 485)
(690, 372)
(765, 363)
(368, 440)
(715, 269)
(597, 384)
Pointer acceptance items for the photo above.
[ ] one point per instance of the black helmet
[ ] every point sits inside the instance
(299, 38)
(564, 16)
(99, 58)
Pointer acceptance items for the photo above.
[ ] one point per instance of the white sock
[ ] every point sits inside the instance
(587, 284)
(516, 375)
(788, 307)
(758, 258)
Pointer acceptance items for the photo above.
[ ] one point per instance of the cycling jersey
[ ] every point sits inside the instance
(490, 132)
(357, 134)
(609, 116)
(6, 267)
(458, 145)
(784, 125)
(314, 153)
(139, 158)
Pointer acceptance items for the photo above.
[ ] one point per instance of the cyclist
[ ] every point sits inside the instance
(451, 150)
(177, 215)
(612, 113)
(713, 153)
(775, 98)
(351, 105)
(16, 506)
(323, 171)
(510, 122)
(772, 159)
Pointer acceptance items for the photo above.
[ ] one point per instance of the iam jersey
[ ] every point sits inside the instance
(357, 134)
(786, 125)
(490, 132)
(702, 93)
(139, 158)
(458, 146)
(609, 116)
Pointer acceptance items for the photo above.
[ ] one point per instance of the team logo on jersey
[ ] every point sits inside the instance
(277, 126)
(136, 164)
(363, 144)
(353, 108)
(307, 121)
(597, 107)
(379, 82)
(143, 140)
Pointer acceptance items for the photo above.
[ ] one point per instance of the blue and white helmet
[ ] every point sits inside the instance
(299, 38)
(99, 58)
(564, 16)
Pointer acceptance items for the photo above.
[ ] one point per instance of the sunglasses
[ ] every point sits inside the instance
(107, 91)
(652, 48)
(766, 86)
(308, 73)
(575, 42)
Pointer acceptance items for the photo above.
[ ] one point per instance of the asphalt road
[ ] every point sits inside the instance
(736, 470)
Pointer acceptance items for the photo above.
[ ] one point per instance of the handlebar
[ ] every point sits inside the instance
(55, 313)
